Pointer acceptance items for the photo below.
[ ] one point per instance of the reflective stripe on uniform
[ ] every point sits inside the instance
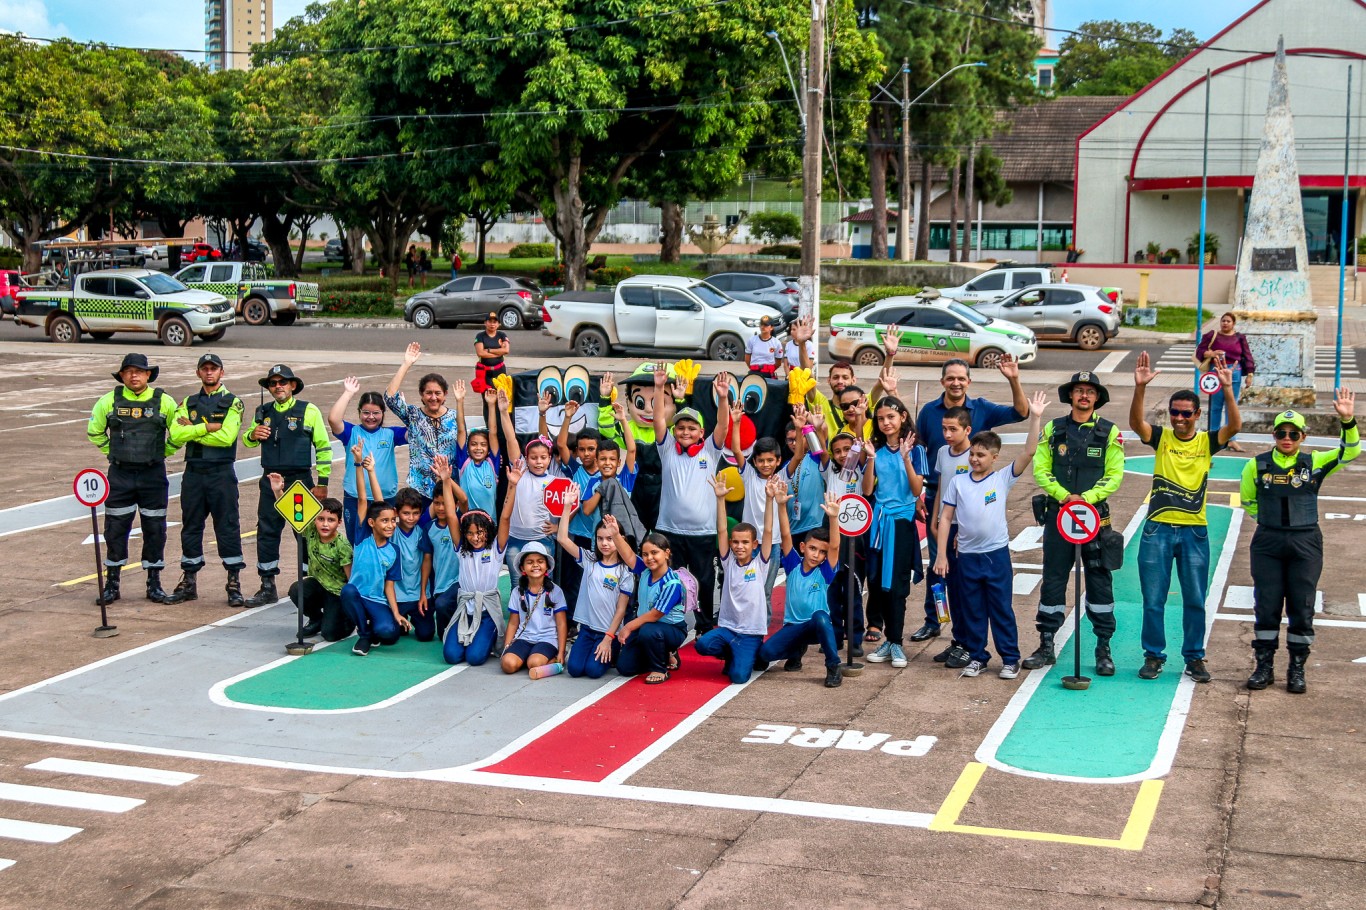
(1266, 634)
(231, 561)
(153, 513)
(1052, 608)
(1100, 608)
(1293, 639)
(111, 564)
(121, 510)
(267, 566)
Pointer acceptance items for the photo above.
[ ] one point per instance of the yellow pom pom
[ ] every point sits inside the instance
(504, 384)
(733, 480)
(687, 370)
(799, 383)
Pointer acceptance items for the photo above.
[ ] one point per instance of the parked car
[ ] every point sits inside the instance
(931, 332)
(199, 251)
(517, 301)
(332, 250)
(127, 300)
(10, 284)
(653, 312)
(771, 290)
(155, 252)
(997, 283)
(259, 297)
(1080, 313)
(256, 251)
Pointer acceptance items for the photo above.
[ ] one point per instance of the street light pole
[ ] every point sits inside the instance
(809, 281)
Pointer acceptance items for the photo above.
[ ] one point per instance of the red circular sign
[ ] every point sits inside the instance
(555, 492)
(1209, 382)
(91, 487)
(1078, 522)
(855, 515)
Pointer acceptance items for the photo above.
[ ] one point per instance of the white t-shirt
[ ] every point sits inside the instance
(761, 352)
(949, 466)
(599, 589)
(980, 506)
(794, 354)
(538, 615)
(743, 607)
(687, 502)
(842, 481)
(479, 570)
(529, 512)
(756, 497)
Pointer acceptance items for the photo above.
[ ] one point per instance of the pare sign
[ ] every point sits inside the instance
(851, 740)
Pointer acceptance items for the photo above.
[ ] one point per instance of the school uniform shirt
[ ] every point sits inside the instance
(793, 354)
(616, 501)
(843, 481)
(763, 353)
(581, 524)
(756, 498)
(981, 509)
(529, 512)
(948, 466)
(805, 590)
(479, 480)
(412, 546)
(687, 502)
(744, 608)
(380, 445)
(327, 559)
(479, 569)
(445, 565)
(664, 594)
(599, 589)
(372, 565)
(536, 615)
(807, 486)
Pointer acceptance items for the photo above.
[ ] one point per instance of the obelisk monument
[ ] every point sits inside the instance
(1271, 291)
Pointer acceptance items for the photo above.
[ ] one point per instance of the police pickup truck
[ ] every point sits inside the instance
(259, 297)
(126, 300)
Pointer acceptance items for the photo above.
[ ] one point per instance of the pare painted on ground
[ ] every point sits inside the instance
(1343, 516)
(852, 740)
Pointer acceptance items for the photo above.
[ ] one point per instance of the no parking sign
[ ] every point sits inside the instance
(1078, 522)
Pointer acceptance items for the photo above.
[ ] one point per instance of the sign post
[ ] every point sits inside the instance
(1078, 523)
(1211, 386)
(298, 507)
(855, 518)
(91, 488)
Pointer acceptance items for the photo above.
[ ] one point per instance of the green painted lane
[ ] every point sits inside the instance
(1112, 730)
(1224, 467)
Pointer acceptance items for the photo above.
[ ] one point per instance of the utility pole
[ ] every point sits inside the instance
(809, 282)
(904, 249)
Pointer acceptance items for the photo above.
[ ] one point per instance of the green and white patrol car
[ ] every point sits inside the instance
(260, 298)
(126, 300)
(930, 333)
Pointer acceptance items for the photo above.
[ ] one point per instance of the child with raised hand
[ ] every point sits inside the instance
(605, 588)
(477, 460)
(810, 569)
(843, 466)
(329, 567)
(441, 537)
(369, 595)
(415, 564)
(804, 475)
(374, 439)
(538, 621)
(650, 640)
(984, 585)
(742, 620)
(617, 467)
(528, 476)
(473, 620)
(580, 463)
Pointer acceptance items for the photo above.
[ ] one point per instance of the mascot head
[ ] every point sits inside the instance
(640, 393)
(573, 384)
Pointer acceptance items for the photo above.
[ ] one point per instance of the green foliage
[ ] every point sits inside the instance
(1109, 57)
(10, 258)
(788, 250)
(775, 227)
(1211, 242)
(1361, 245)
(375, 284)
(356, 303)
(609, 275)
(532, 251)
(552, 275)
(866, 296)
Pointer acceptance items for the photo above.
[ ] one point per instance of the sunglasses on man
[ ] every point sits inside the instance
(1180, 412)
(1293, 435)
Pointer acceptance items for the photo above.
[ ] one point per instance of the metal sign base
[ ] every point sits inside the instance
(105, 632)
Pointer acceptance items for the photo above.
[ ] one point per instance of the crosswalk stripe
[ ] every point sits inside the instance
(14, 829)
(5, 864)
(113, 772)
(67, 799)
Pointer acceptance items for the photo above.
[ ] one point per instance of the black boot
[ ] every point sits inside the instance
(234, 588)
(1265, 672)
(266, 595)
(111, 585)
(1294, 674)
(1043, 655)
(184, 591)
(1105, 664)
(154, 592)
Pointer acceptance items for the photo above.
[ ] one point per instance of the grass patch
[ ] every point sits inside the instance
(1175, 319)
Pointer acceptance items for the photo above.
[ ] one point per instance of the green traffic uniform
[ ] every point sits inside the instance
(298, 442)
(209, 486)
(131, 430)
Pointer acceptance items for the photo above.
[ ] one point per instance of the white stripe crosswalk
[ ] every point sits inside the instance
(1179, 356)
(67, 799)
(113, 772)
(14, 829)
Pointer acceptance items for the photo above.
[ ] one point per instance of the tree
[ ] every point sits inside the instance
(775, 227)
(1109, 57)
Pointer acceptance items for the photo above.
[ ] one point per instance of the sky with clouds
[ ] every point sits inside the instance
(179, 24)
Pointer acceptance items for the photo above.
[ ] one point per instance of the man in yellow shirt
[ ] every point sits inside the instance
(1176, 529)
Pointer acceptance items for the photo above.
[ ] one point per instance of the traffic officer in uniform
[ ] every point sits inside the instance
(1280, 488)
(1080, 458)
(207, 424)
(129, 425)
(292, 437)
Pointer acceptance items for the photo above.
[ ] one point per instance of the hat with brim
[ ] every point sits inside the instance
(137, 362)
(536, 548)
(645, 374)
(1085, 377)
(688, 414)
(1294, 418)
(283, 372)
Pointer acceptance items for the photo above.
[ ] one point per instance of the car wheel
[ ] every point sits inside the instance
(509, 318)
(255, 311)
(1090, 337)
(590, 343)
(868, 357)
(101, 336)
(988, 358)
(424, 318)
(726, 347)
(215, 335)
(284, 318)
(175, 333)
(63, 330)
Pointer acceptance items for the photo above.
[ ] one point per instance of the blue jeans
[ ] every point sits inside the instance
(443, 608)
(583, 660)
(982, 595)
(372, 617)
(424, 627)
(738, 651)
(793, 639)
(1188, 545)
(1216, 402)
(478, 650)
(647, 650)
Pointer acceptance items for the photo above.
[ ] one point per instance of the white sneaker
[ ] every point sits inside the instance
(973, 668)
(883, 653)
(1010, 671)
(898, 657)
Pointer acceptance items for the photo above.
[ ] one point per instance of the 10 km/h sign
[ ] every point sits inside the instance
(1078, 522)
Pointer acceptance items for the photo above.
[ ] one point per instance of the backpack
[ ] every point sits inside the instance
(690, 589)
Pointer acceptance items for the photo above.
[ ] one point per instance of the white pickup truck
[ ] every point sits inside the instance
(259, 297)
(654, 312)
(126, 300)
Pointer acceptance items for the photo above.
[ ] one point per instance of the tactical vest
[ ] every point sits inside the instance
(137, 430)
(1287, 497)
(205, 408)
(290, 446)
(1079, 455)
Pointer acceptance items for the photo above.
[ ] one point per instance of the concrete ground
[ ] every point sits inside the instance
(910, 788)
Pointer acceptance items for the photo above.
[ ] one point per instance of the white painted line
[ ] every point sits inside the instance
(1031, 538)
(1361, 604)
(1318, 621)
(1318, 601)
(1025, 583)
(112, 772)
(1360, 660)
(67, 799)
(1035, 566)
(1239, 597)
(5, 864)
(1111, 361)
(13, 829)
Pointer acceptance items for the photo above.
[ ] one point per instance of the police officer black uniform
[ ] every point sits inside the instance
(129, 425)
(207, 424)
(292, 437)
(1081, 458)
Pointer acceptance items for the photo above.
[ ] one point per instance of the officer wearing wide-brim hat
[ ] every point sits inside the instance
(1280, 489)
(129, 425)
(1080, 457)
(292, 437)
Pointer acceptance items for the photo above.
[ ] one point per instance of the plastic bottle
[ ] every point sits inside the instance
(941, 602)
(545, 670)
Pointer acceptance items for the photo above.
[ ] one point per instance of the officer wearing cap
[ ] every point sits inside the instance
(206, 424)
(1280, 489)
(129, 425)
(292, 437)
(1081, 458)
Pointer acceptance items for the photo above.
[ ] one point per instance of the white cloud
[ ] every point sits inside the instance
(31, 18)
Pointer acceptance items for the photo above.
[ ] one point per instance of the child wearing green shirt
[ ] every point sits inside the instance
(329, 567)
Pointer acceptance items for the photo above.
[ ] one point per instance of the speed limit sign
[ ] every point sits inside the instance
(1078, 522)
(1209, 382)
(91, 487)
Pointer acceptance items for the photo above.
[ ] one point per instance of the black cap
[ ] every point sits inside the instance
(1085, 377)
(137, 362)
(210, 358)
(283, 372)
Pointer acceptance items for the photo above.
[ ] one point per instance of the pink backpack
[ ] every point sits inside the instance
(690, 589)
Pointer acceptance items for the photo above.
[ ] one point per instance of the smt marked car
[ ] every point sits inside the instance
(932, 331)
(127, 300)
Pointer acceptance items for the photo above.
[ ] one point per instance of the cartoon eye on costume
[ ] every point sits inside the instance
(550, 380)
(575, 384)
(731, 392)
(638, 400)
(753, 394)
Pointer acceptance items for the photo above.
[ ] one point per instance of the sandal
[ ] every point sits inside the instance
(872, 636)
(657, 677)
(675, 662)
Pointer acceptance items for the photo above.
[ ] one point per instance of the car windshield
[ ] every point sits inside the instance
(163, 284)
(969, 314)
(710, 295)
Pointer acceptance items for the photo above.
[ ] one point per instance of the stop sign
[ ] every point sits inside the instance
(555, 493)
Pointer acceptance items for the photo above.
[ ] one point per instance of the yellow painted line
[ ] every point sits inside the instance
(131, 566)
(1135, 832)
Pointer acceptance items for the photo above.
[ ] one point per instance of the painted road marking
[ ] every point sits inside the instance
(136, 532)
(1319, 621)
(1229, 468)
(1111, 361)
(67, 799)
(1360, 660)
(1031, 538)
(1239, 597)
(113, 772)
(5, 864)
(14, 829)
(1024, 583)
(1361, 604)
(134, 565)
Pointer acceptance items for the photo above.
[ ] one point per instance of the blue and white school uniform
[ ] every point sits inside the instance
(599, 588)
(894, 553)
(380, 445)
(806, 616)
(756, 500)
(363, 596)
(537, 632)
(984, 584)
(413, 547)
(742, 620)
(581, 528)
(476, 624)
(479, 480)
(445, 574)
(648, 648)
(529, 517)
(806, 482)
